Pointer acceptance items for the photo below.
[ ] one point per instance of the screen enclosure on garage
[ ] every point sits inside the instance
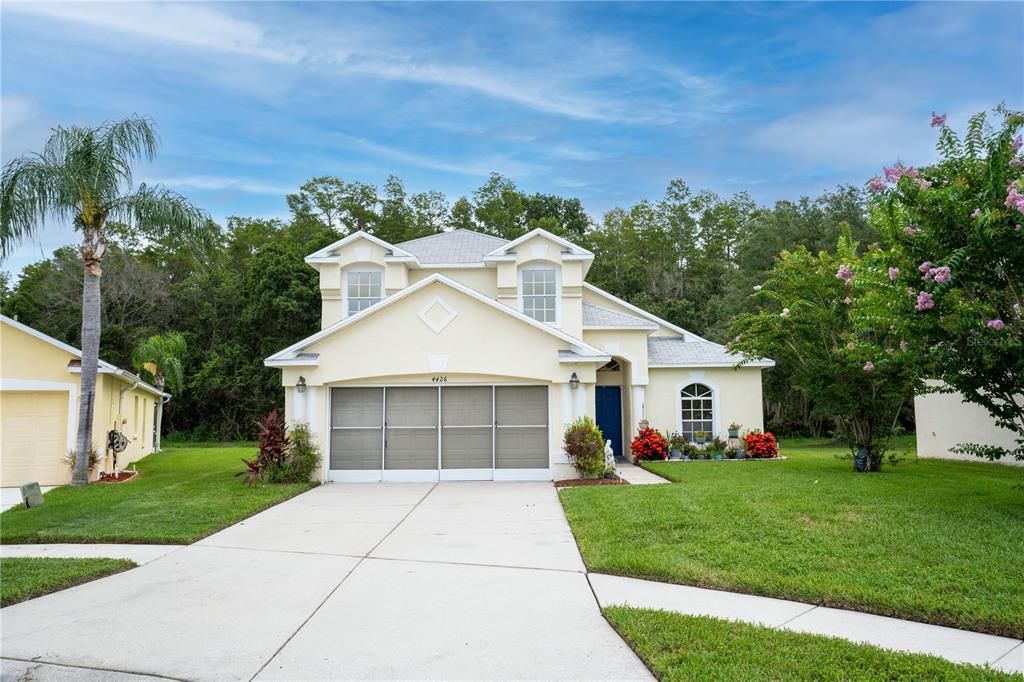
(430, 433)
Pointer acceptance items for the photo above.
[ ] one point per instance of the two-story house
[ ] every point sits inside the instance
(462, 356)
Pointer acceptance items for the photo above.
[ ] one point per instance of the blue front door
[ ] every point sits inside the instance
(609, 415)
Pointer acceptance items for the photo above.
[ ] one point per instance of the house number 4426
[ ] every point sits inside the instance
(440, 380)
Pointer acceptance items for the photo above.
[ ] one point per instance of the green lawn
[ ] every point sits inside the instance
(180, 495)
(677, 647)
(926, 540)
(24, 578)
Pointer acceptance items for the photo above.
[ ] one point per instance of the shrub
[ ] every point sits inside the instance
(761, 444)
(649, 445)
(584, 445)
(717, 445)
(302, 458)
(94, 458)
(272, 440)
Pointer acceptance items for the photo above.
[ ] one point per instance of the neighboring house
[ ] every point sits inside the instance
(944, 420)
(39, 390)
(462, 356)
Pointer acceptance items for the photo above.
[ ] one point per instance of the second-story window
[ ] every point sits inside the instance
(540, 294)
(363, 290)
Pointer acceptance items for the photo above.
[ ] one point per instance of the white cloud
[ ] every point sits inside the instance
(214, 183)
(477, 168)
(188, 25)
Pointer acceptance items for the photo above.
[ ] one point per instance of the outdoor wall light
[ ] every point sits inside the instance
(574, 381)
(300, 385)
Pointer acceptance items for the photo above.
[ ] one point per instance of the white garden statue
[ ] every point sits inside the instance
(609, 455)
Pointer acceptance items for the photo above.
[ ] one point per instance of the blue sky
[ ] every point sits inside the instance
(606, 102)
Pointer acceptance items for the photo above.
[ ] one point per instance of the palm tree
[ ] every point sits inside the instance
(160, 357)
(84, 176)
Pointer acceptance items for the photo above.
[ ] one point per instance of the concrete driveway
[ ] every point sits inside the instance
(347, 581)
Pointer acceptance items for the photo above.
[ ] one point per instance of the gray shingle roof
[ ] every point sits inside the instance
(677, 351)
(596, 316)
(457, 246)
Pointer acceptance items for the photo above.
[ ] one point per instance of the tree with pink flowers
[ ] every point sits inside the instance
(826, 317)
(956, 245)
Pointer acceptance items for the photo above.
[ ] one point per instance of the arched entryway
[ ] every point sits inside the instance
(612, 403)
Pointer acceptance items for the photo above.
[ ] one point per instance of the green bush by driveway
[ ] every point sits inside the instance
(932, 541)
(180, 495)
(24, 578)
(678, 647)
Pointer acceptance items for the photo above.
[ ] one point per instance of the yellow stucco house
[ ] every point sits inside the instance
(39, 400)
(461, 356)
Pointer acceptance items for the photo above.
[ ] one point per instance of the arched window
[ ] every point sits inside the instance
(697, 403)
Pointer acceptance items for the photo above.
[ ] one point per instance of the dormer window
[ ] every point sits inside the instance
(363, 288)
(538, 293)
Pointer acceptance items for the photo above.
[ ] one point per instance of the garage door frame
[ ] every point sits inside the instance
(438, 473)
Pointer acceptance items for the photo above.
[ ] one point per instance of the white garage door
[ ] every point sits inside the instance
(33, 437)
(429, 433)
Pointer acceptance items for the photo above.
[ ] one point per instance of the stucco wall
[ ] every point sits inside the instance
(738, 396)
(406, 350)
(27, 361)
(944, 420)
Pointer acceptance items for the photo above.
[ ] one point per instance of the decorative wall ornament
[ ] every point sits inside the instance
(437, 314)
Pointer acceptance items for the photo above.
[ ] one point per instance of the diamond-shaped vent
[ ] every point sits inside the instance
(437, 315)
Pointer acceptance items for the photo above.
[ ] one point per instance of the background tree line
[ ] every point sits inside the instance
(691, 257)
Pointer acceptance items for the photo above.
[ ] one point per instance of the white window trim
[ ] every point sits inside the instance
(715, 407)
(344, 284)
(558, 290)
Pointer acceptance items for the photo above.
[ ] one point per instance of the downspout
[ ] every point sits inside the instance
(166, 398)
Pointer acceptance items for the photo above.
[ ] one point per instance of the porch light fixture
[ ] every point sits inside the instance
(300, 385)
(574, 381)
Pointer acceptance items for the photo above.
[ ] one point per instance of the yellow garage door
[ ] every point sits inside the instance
(33, 437)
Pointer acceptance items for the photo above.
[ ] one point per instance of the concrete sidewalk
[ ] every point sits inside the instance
(140, 554)
(960, 646)
(637, 475)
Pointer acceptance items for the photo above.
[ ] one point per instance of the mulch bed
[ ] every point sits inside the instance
(579, 482)
(117, 478)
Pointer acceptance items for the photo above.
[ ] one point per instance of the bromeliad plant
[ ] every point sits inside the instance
(957, 249)
(649, 445)
(828, 317)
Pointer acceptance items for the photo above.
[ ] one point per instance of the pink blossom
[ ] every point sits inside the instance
(847, 300)
(938, 120)
(923, 184)
(737, 339)
(996, 324)
(925, 266)
(844, 273)
(1017, 227)
(1016, 142)
(1014, 199)
(910, 230)
(876, 185)
(941, 274)
(925, 301)
(869, 366)
(893, 273)
(851, 345)
(1015, 161)
(976, 213)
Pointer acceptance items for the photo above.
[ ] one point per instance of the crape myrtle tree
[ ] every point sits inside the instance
(83, 176)
(828, 318)
(958, 250)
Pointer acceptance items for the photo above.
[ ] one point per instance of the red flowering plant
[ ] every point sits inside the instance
(649, 445)
(761, 445)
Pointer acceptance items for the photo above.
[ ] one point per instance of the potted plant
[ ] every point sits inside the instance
(731, 452)
(734, 430)
(717, 448)
(701, 437)
(689, 451)
(676, 443)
